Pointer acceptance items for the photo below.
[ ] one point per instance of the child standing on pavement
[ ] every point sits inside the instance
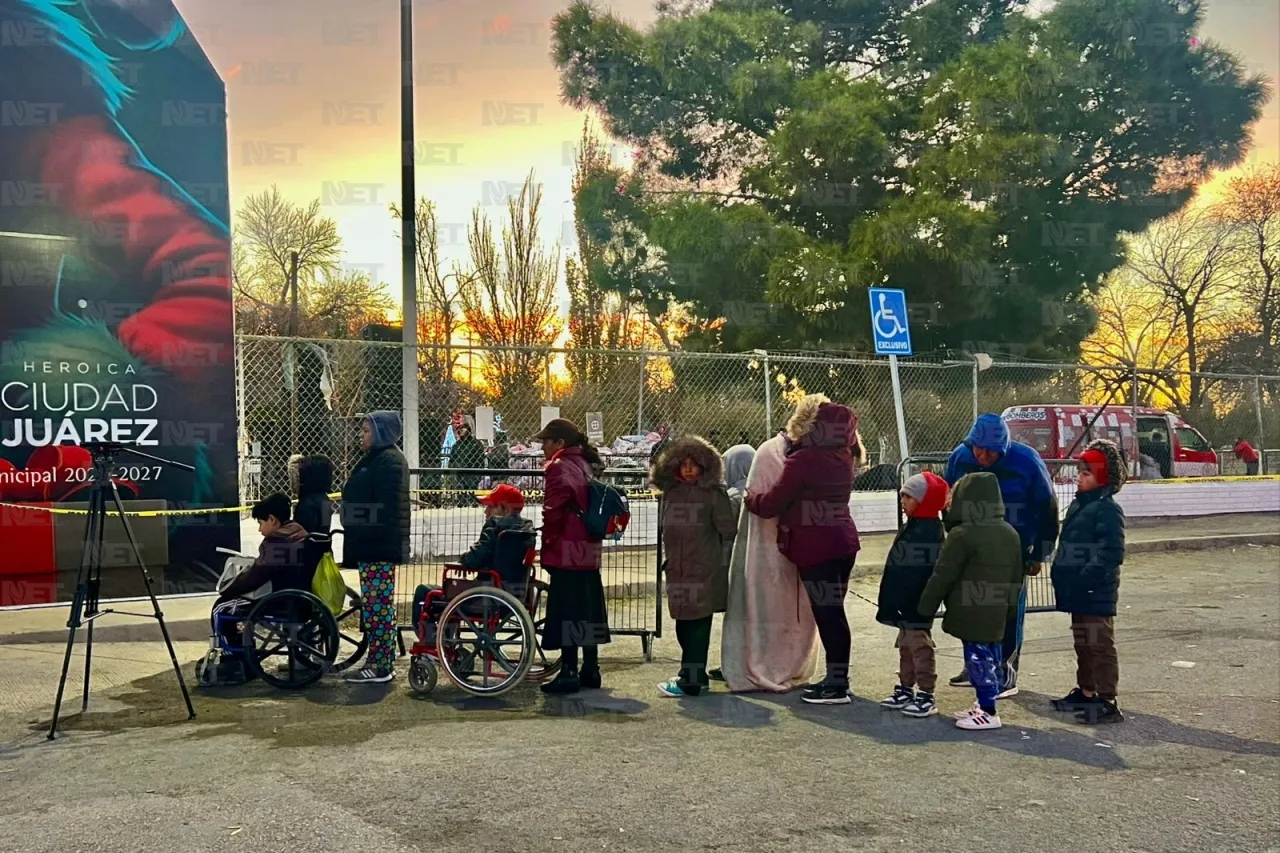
(1086, 582)
(697, 523)
(979, 576)
(906, 572)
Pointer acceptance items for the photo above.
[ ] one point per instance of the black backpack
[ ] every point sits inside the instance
(607, 514)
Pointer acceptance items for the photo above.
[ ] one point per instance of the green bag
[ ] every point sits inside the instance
(328, 585)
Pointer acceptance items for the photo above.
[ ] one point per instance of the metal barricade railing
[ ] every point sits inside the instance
(1040, 597)
(446, 522)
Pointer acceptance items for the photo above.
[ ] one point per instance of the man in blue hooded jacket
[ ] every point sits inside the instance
(1031, 507)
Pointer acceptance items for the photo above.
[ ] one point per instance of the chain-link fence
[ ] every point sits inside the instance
(305, 396)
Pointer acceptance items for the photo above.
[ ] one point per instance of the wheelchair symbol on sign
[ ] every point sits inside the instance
(885, 314)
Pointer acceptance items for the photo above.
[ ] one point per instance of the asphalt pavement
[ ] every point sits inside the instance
(1194, 768)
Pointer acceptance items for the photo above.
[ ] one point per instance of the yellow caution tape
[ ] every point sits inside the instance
(1235, 478)
(145, 513)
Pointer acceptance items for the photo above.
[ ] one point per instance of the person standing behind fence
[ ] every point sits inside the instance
(815, 530)
(1030, 505)
(1245, 453)
(467, 452)
(576, 615)
(312, 478)
(375, 529)
(697, 522)
(1086, 582)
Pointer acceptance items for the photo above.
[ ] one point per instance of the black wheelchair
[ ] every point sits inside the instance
(287, 637)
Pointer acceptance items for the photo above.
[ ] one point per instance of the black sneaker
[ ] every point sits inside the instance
(1074, 701)
(716, 674)
(961, 680)
(566, 682)
(590, 678)
(826, 694)
(1100, 712)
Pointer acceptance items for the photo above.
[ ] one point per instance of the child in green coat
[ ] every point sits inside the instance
(979, 576)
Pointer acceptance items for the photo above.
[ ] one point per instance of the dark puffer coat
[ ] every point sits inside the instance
(1086, 567)
(314, 483)
(375, 500)
(697, 522)
(910, 563)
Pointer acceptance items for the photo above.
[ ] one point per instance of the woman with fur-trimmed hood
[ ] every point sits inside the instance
(1086, 581)
(697, 522)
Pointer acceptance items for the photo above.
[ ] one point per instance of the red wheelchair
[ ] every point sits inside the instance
(480, 626)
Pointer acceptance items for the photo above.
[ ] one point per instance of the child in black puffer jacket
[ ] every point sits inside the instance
(906, 573)
(1086, 582)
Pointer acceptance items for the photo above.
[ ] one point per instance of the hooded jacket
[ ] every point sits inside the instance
(737, 465)
(375, 500)
(565, 543)
(1025, 485)
(314, 484)
(280, 563)
(980, 567)
(811, 498)
(697, 522)
(911, 560)
(1086, 567)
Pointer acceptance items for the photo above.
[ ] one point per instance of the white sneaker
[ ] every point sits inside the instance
(979, 720)
(1011, 690)
(968, 712)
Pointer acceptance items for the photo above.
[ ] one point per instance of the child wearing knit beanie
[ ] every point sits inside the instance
(906, 572)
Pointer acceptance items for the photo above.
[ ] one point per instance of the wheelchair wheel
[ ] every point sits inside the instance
(352, 640)
(422, 675)
(486, 641)
(297, 630)
(546, 666)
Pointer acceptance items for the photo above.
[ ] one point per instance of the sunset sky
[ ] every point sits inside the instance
(317, 82)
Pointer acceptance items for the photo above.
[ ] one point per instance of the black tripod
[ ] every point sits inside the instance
(84, 604)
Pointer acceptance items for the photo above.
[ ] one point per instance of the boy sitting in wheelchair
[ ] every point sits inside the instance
(503, 526)
(281, 562)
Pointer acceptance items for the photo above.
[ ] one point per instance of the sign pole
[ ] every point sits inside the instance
(408, 240)
(897, 407)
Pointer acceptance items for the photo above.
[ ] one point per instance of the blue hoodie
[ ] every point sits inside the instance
(386, 429)
(1031, 506)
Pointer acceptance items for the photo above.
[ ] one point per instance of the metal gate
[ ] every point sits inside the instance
(446, 522)
(1040, 597)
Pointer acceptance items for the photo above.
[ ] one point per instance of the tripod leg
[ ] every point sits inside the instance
(98, 510)
(151, 593)
(93, 526)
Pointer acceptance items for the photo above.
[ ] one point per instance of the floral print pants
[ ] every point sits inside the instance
(377, 588)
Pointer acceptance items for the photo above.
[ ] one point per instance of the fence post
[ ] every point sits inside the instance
(1262, 438)
(768, 396)
(242, 436)
(1135, 458)
(550, 355)
(644, 366)
(975, 388)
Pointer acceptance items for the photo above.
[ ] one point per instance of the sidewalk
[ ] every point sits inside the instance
(188, 618)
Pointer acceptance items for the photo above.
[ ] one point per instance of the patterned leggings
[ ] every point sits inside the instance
(377, 587)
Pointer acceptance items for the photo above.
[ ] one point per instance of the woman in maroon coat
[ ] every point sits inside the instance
(815, 530)
(576, 614)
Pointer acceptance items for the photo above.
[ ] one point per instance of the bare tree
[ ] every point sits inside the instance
(509, 300)
(1137, 324)
(269, 228)
(1251, 207)
(1187, 258)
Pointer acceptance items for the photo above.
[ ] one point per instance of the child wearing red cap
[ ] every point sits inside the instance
(906, 573)
(502, 508)
(1086, 582)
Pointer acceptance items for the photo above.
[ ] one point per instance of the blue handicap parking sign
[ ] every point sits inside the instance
(889, 321)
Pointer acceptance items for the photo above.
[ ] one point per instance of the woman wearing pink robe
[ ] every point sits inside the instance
(769, 636)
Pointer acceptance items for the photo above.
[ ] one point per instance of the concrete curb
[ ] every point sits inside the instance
(1201, 543)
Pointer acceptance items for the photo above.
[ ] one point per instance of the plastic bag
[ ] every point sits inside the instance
(328, 585)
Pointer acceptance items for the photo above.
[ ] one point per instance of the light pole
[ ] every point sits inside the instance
(408, 239)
